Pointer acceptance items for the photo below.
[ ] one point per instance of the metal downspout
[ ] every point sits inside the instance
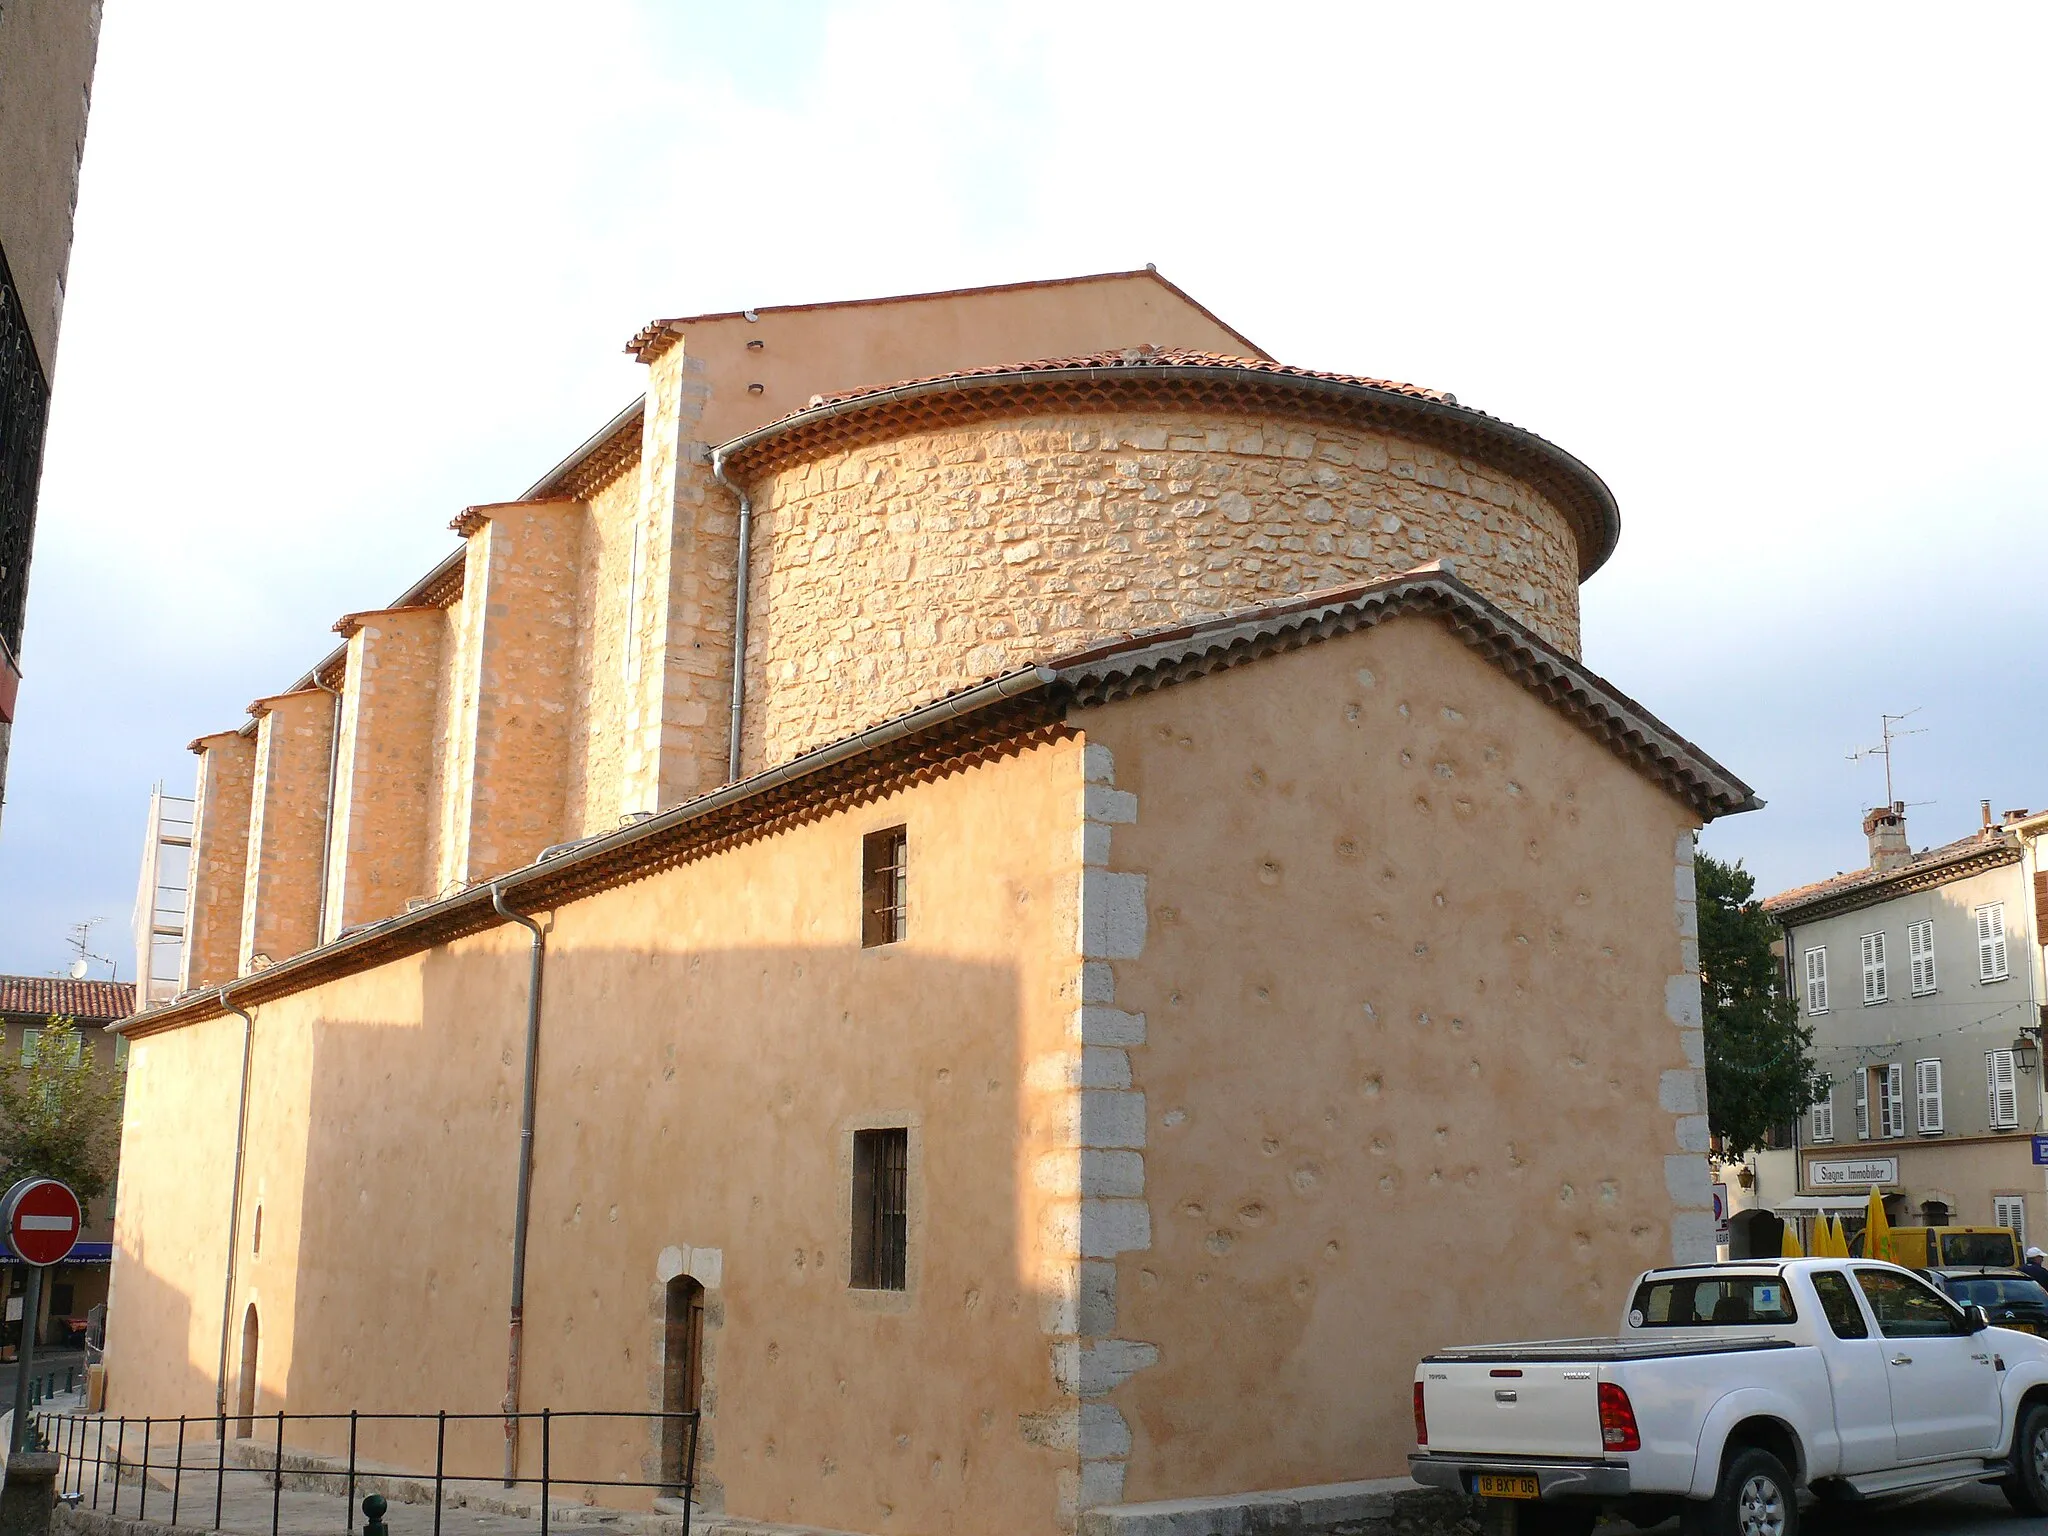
(739, 615)
(227, 1305)
(327, 823)
(523, 1201)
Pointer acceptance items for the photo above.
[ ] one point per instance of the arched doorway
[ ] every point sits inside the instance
(682, 1376)
(245, 1409)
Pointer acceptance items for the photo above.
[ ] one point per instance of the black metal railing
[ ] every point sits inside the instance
(101, 1454)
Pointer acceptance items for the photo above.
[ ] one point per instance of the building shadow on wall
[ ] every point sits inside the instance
(696, 1114)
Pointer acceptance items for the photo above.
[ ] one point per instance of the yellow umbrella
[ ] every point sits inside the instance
(1877, 1232)
(1789, 1248)
(1838, 1243)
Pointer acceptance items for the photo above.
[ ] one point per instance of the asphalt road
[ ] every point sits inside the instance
(46, 1361)
(1975, 1511)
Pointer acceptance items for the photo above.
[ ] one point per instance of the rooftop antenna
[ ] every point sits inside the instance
(81, 940)
(1884, 749)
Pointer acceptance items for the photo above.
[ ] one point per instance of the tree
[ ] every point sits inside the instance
(59, 1119)
(1760, 1070)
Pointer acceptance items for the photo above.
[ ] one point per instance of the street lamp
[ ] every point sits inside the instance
(2026, 1050)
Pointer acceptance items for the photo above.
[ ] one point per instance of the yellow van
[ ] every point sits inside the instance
(1948, 1247)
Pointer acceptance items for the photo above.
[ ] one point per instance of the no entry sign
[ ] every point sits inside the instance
(42, 1219)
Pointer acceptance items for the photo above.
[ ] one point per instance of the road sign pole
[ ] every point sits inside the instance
(25, 1356)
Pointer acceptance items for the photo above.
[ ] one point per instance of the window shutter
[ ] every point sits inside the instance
(1874, 986)
(30, 1040)
(1991, 942)
(1892, 1099)
(1816, 981)
(2011, 1211)
(1927, 1091)
(1823, 1119)
(2003, 1090)
(1920, 955)
(1862, 1104)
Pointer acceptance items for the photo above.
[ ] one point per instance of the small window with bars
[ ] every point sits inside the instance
(884, 886)
(881, 1209)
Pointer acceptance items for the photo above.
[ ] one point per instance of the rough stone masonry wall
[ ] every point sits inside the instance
(887, 575)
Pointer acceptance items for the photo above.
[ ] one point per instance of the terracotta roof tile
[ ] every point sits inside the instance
(90, 1002)
(1156, 357)
(1997, 845)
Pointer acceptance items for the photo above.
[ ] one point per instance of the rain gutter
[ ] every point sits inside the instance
(227, 1305)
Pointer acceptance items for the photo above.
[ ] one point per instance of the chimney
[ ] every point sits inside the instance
(1886, 829)
(1986, 804)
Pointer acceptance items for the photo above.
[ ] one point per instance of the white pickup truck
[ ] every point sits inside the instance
(1730, 1391)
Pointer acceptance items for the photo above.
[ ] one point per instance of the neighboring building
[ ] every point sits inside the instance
(1921, 978)
(27, 1004)
(47, 48)
(1140, 943)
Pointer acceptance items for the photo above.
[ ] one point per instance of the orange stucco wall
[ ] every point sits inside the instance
(712, 1036)
(1407, 1054)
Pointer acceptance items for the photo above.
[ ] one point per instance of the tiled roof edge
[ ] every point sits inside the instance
(1103, 674)
(1958, 865)
(1066, 384)
(991, 719)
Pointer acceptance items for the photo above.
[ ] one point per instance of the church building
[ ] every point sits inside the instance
(1013, 900)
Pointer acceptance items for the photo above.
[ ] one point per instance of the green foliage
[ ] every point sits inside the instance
(1760, 1070)
(59, 1118)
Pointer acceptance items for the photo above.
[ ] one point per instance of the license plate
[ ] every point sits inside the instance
(1492, 1486)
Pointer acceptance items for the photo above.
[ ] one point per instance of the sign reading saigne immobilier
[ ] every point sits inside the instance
(1863, 1171)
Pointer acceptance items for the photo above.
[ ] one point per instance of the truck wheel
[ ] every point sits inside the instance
(1756, 1498)
(2026, 1488)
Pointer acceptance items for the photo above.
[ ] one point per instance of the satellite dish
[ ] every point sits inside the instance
(78, 969)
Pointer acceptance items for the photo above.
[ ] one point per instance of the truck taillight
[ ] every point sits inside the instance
(1618, 1430)
(1421, 1419)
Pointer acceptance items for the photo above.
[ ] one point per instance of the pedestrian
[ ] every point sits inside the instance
(2035, 1266)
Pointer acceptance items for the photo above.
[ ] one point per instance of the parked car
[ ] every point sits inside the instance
(1731, 1390)
(2011, 1298)
(1947, 1247)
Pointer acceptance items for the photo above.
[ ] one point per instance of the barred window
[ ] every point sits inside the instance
(885, 882)
(881, 1209)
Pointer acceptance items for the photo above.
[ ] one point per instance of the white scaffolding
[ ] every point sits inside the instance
(160, 898)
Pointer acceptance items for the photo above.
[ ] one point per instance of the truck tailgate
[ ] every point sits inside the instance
(1521, 1408)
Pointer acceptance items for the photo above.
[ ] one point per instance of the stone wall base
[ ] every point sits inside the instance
(1391, 1506)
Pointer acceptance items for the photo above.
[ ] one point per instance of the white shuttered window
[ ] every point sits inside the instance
(1991, 942)
(1891, 1099)
(2011, 1211)
(2002, 1089)
(1817, 981)
(1927, 1096)
(1920, 956)
(1823, 1118)
(1875, 987)
(1862, 1105)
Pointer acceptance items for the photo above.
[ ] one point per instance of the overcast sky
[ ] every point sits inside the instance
(1775, 272)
